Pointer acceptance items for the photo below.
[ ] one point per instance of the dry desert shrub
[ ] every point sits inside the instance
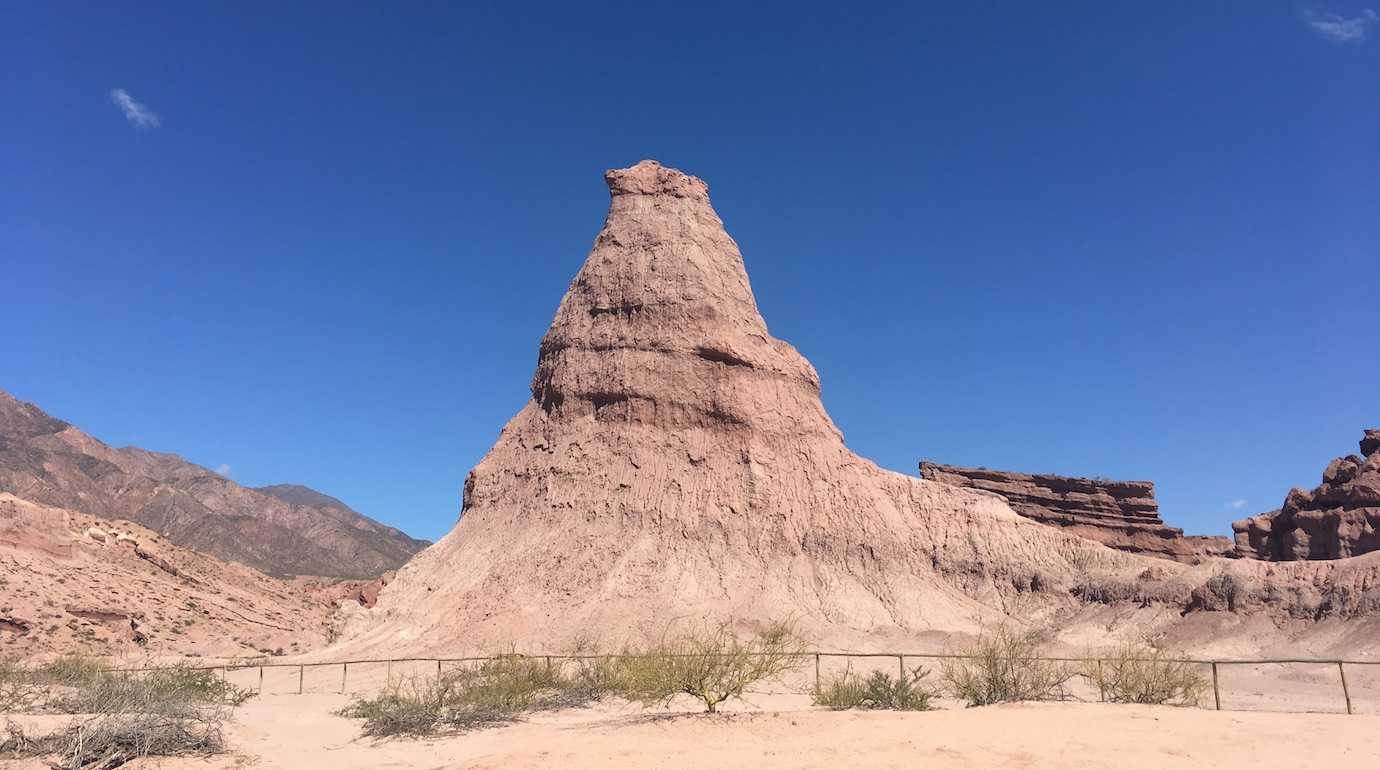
(72, 670)
(164, 711)
(163, 689)
(496, 691)
(906, 692)
(711, 665)
(1005, 665)
(1143, 674)
(19, 691)
(111, 740)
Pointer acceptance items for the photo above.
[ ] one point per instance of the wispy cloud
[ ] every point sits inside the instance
(1342, 29)
(223, 469)
(136, 113)
(1237, 504)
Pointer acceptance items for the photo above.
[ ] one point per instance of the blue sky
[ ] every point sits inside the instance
(320, 244)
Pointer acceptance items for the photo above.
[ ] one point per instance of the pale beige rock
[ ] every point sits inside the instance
(74, 583)
(675, 460)
(675, 464)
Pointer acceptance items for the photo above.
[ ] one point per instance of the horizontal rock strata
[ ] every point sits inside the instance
(1121, 514)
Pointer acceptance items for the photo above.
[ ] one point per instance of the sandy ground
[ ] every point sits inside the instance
(289, 732)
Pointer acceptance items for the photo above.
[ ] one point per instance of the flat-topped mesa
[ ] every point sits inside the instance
(1120, 514)
(660, 324)
(1339, 518)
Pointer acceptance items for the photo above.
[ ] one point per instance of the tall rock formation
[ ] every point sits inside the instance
(675, 464)
(1339, 518)
(1120, 514)
(675, 460)
(285, 530)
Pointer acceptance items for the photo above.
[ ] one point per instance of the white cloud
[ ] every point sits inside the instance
(1237, 504)
(223, 469)
(1340, 28)
(136, 113)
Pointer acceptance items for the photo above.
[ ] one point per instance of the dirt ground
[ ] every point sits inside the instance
(291, 732)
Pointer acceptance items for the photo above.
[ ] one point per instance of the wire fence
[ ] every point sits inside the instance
(1303, 686)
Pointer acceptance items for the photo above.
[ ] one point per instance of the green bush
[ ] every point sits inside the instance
(1142, 674)
(1005, 665)
(906, 692)
(712, 665)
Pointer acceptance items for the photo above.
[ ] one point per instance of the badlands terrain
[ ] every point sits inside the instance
(674, 460)
(74, 583)
(674, 464)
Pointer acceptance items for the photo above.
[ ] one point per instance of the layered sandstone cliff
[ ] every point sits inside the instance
(1121, 514)
(1338, 518)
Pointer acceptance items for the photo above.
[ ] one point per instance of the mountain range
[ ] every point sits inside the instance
(282, 530)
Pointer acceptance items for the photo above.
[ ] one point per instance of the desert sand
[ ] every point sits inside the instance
(290, 732)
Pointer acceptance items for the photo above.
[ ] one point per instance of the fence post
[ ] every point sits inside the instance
(816, 672)
(901, 668)
(344, 672)
(1345, 692)
(261, 679)
(300, 670)
(1216, 694)
(1101, 683)
(390, 670)
(438, 668)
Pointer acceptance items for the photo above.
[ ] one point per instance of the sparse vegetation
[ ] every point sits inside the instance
(1142, 674)
(165, 711)
(712, 665)
(19, 692)
(906, 692)
(496, 691)
(1005, 665)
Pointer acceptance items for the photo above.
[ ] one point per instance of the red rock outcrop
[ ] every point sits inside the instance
(1339, 518)
(1121, 514)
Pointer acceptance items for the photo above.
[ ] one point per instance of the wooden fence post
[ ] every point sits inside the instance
(1216, 694)
(438, 668)
(261, 680)
(1101, 683)
(344, 672)
(300, 674)
(1345, 692)
(816, 672)
(901, 667)
(390, 670)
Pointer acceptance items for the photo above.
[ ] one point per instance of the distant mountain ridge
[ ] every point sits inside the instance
(282, 529)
